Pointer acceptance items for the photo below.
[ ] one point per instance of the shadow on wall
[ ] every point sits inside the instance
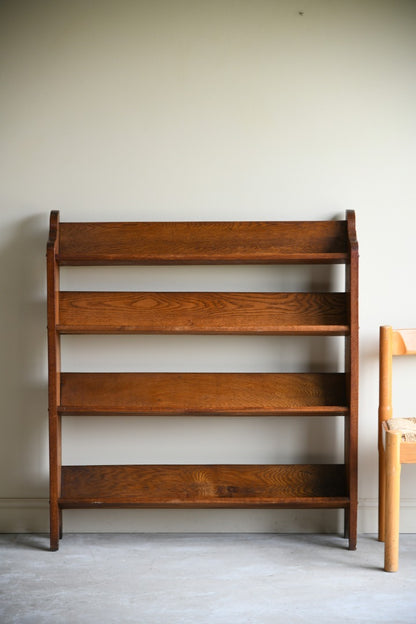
(23, 383)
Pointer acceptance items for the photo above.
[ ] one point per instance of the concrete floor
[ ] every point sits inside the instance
(203, 579)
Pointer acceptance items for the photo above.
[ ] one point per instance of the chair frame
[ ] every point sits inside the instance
(393, 451)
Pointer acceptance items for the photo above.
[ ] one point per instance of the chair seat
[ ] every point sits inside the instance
(407, 426)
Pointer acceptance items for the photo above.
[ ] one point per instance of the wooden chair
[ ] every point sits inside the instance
(396, 442)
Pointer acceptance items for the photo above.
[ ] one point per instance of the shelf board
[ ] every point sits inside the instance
(198, 394)
(215, 486)
(247, 242)
(202, 313)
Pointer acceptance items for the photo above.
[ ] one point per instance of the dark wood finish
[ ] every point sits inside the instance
(203, 242)
(199, 394)
(208, 394)
(54, 367)
(264, 486)
(351, 368)
(202, 312)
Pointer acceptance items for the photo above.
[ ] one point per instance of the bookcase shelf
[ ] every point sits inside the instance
(202, 394)
(219, 486)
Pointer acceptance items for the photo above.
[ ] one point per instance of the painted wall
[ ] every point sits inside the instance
(176, 110)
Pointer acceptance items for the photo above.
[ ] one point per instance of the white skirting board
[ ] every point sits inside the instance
(31, 516)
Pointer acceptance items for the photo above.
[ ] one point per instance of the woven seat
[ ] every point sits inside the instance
(407, 427)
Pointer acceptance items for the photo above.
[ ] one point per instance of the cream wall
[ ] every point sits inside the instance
(175, 110)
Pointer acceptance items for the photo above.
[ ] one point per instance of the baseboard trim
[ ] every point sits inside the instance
(24, 515)
(31, 515)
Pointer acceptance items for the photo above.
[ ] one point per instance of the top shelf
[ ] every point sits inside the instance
(246, 242)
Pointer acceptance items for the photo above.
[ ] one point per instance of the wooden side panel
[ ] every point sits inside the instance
(203, 242)
(203, 312)
(204, 486)
(54, 384)
(351, 368)
(231, 394)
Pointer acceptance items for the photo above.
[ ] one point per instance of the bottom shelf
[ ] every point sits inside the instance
(196, 486)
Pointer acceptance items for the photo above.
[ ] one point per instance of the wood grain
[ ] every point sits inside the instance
(209, 394)
(393, 449)
(203, 242)
(352, 370)
(204, 486)
(202, 313)
(232, 394)
(54, 367)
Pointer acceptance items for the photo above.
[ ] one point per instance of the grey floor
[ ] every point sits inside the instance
(198, 579)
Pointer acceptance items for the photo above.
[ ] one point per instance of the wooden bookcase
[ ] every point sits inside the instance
(208, 394)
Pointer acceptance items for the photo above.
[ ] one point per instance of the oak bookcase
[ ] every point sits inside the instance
(209, 394)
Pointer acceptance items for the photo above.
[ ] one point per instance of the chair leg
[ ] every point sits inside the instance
(381, 495)
(392, 501)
